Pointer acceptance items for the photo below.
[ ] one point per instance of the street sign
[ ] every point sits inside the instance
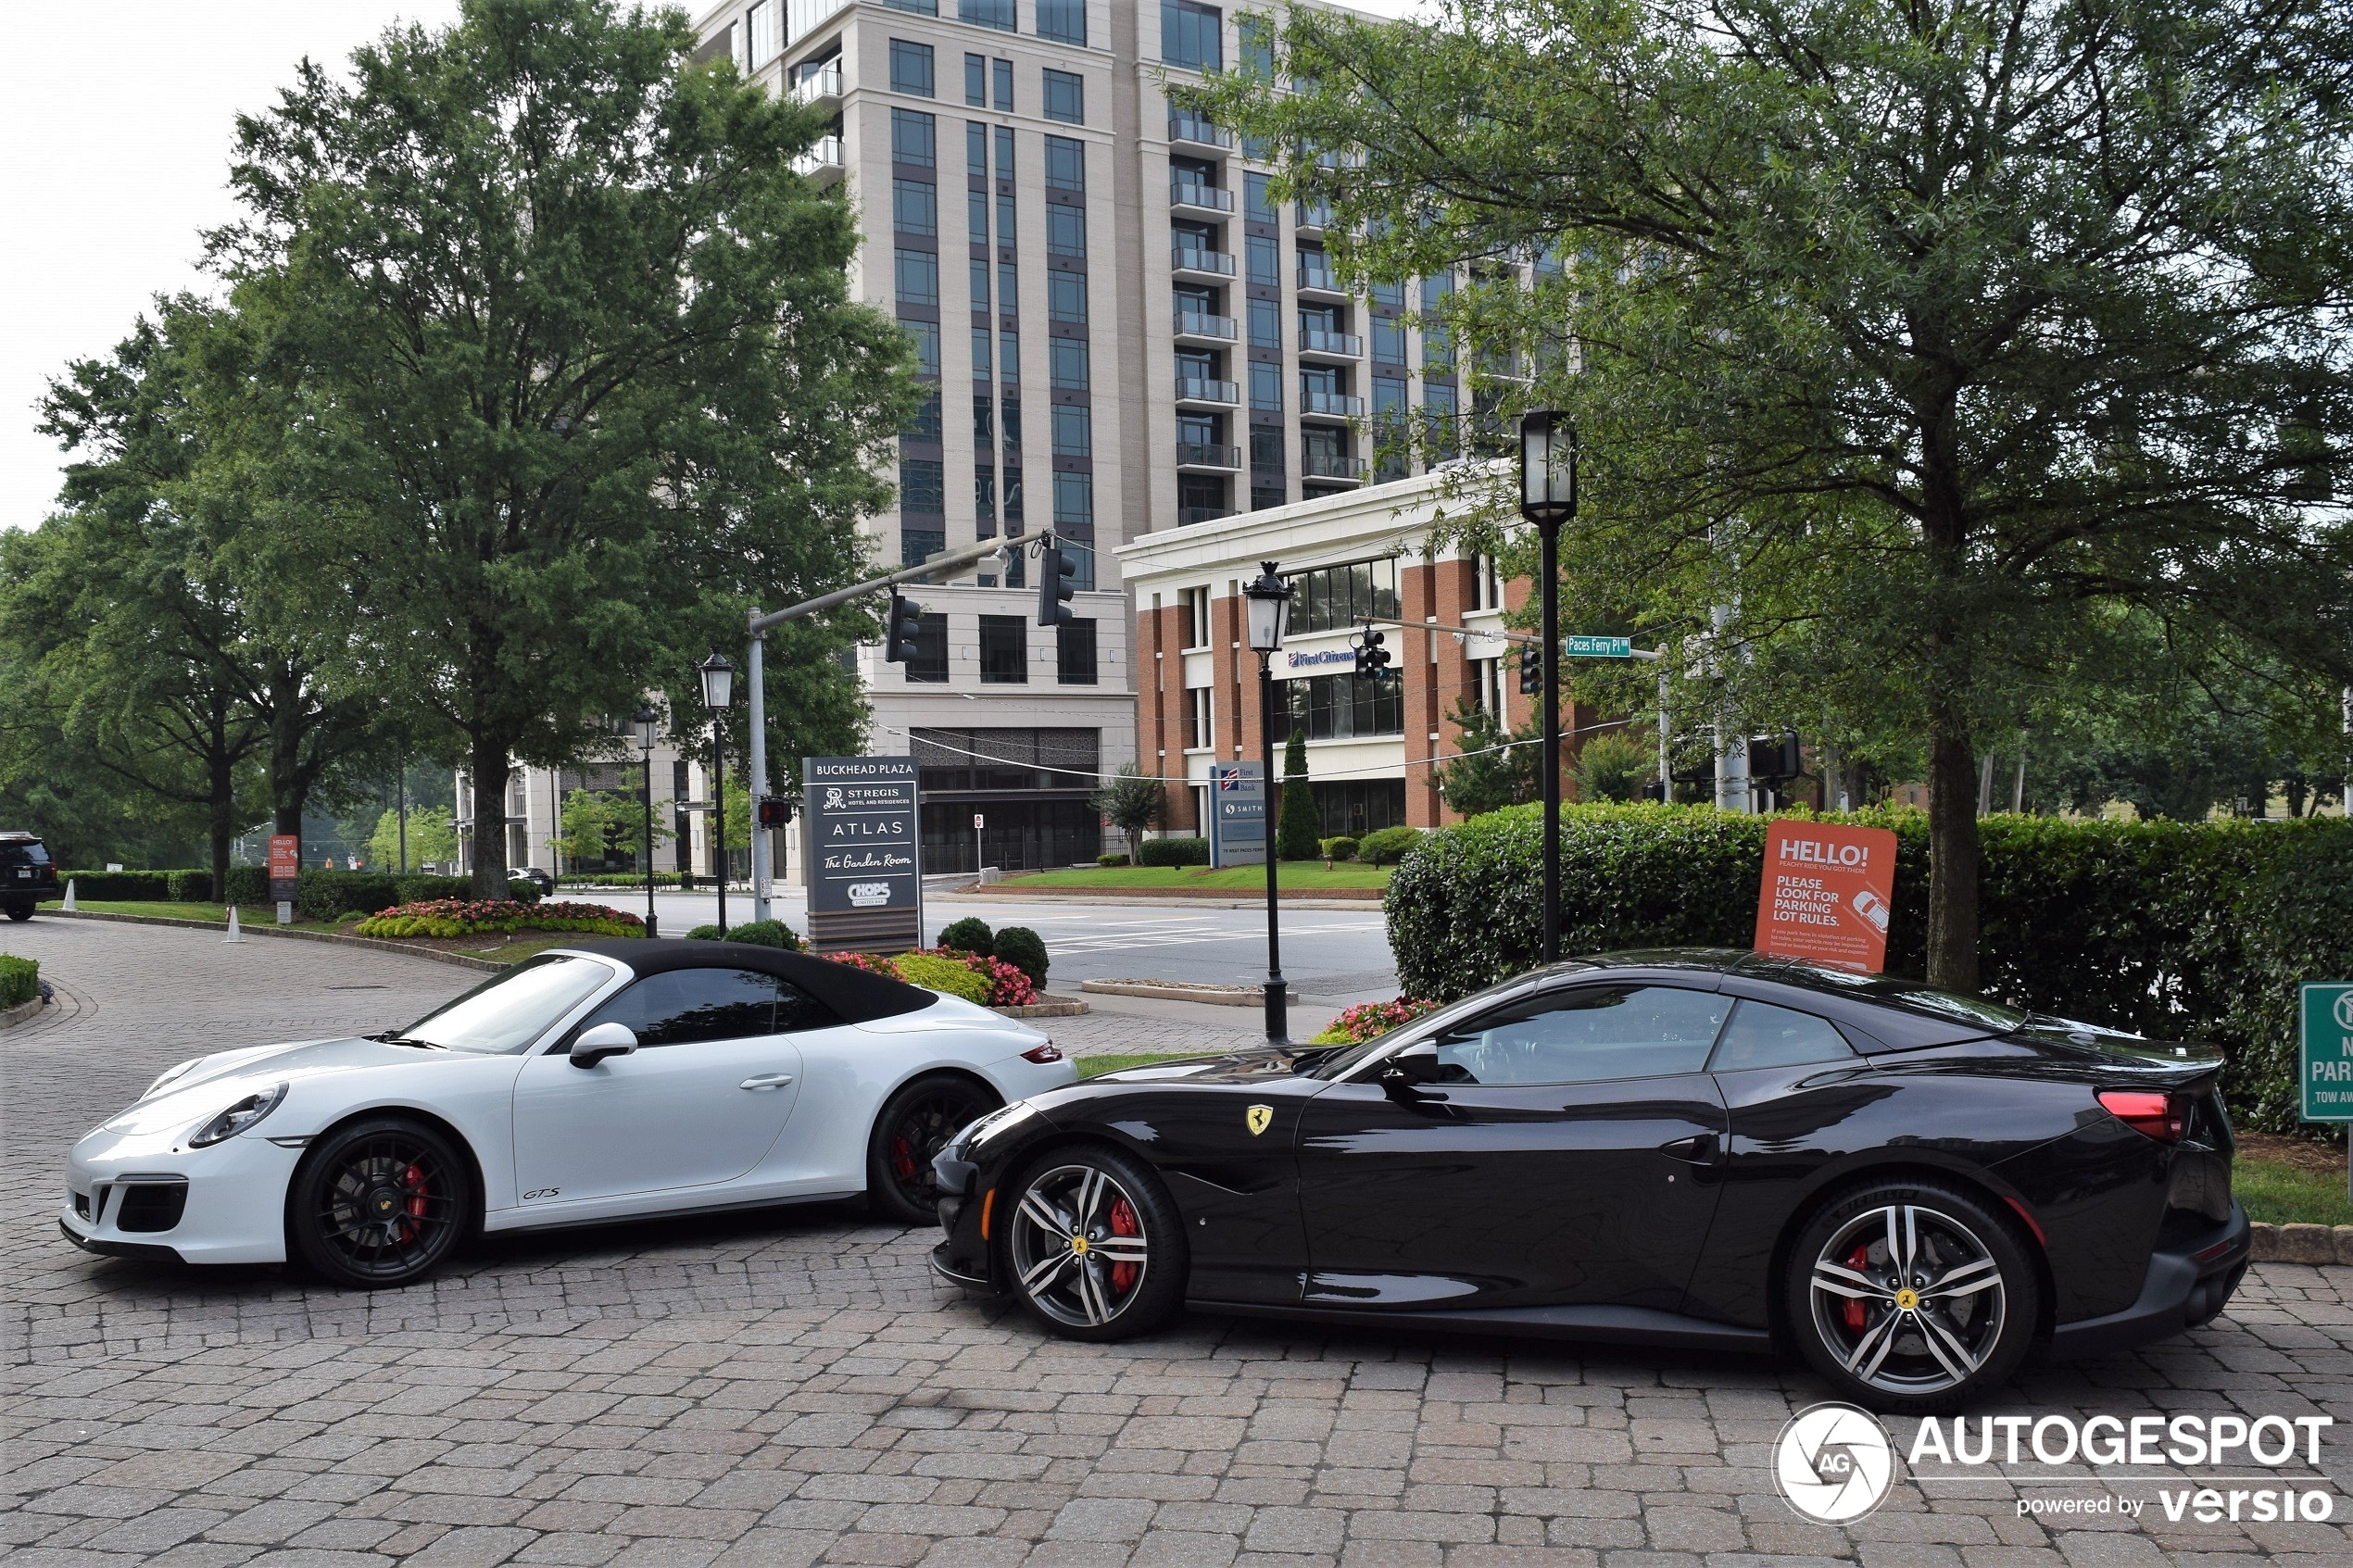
(1828, 893)
(1237, 814)
(864, 848)
(977, 822)
(1598, 647)
(2325, 1050)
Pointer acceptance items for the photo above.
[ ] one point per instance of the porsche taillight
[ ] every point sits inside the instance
(2160, 1116)
(1043, 1055)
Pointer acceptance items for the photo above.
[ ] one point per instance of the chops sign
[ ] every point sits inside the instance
(1828, 893)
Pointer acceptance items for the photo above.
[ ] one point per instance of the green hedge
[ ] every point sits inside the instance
(248, 885)
(2184, 930)
(1386, 847)
(117, 884)
(20, 980)
(1173, 852)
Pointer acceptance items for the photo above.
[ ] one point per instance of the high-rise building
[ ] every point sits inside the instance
(1119, 334)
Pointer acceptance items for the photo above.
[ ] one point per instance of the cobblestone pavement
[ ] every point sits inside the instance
(790, 1389)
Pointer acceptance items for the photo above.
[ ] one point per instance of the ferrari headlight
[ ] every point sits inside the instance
(170, 1075)
(238, 1117)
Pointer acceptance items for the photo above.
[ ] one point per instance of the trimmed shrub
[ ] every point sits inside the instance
(118, 886)
(1026, 951)
(1296, 817)
(766, 933)
(324, 895)
(1173, 852)
(935, 971)
(20, 980)
(708, 934)
(1341, 848)
(970, 934)
(455, 917)
(2174, 930)
(420, 887)
(1386, 846)
(188, 887)
(1116, 858)
(248, 885)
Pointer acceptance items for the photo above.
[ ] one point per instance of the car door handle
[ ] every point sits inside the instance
(1697, 1149)
(766, 1081)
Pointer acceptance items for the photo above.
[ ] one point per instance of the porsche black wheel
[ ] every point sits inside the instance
(1911, 1299)
(1095, 1248)
(379, 1203)
(916, 1124)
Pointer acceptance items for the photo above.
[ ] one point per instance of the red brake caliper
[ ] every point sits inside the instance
(902, 1158)
(1854, 1311)
(414, 1180)
(1122, 1222)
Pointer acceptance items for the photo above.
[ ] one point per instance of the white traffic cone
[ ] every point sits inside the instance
(234, 934)
(69, 905)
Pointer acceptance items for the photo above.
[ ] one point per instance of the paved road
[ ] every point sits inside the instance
(789, 1388)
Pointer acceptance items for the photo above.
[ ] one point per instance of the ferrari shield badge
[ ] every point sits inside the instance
(1259, 1117)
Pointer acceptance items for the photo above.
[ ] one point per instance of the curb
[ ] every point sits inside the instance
(1179, 991)
(2302, 1243)
(23, 1012)
(1047, 1005)
(461, 960)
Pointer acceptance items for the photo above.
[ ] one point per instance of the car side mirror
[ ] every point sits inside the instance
(592, 1045)
(1403, 1075)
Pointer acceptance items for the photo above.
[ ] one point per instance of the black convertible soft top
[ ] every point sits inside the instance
(856, 996)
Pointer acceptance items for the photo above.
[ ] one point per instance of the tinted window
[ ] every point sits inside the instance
(687, 1005)
(1586, 1034)
(22, 854)
(508, 1011)
(1763, 1036)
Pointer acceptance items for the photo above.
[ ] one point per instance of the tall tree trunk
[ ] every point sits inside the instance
(1952, 856)
(489, 775)
(221, 764)
(289, 783)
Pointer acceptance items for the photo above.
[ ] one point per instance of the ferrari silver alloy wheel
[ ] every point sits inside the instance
(1909, 1298)
(1079, 1250)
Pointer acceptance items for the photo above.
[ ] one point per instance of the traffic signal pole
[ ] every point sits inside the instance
(935, 570)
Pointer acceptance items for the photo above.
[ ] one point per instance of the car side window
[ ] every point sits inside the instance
(1761, 1034)
(796, 1009)
(1586, 1034)
(681, 1007)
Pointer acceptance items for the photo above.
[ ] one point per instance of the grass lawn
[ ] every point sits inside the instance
(1298, 875)
(249, 914)
(496, 946)
(2290, 1181)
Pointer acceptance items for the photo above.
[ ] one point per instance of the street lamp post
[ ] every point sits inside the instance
(1269, 608)
(718, 674)
(1548, 499)
(644, 722)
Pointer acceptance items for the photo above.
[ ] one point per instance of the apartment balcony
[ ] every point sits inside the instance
(1201, 389)
(1200, 325)
(1202, 457)
(1317, 343)
(1200, 261)
(1329, 405)
(1193, 130)
(1327, 467)
(1198, 193)
(824, 87)
(822, 161)
(1318, 277)
(1188, 516)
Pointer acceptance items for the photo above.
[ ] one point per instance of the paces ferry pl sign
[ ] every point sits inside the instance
(1827, 895)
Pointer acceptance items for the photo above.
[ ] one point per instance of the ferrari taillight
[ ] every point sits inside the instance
(2160, 1116)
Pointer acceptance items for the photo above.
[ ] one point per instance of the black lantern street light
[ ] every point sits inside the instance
(1269, 615)
(1548, 499)
(643, 725)
(718, 690)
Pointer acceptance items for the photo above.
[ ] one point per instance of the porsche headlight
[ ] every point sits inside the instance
(238, 1117)
(169, 1075)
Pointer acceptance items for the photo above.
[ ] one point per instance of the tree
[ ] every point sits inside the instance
(433, 839)
(1612, 767)
(1916, 337)
(1492, 769)
(1130, 801)
(1300, 826)
(572, 372)
(597, 823)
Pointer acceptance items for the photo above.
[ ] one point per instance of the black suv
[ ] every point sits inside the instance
(26, 875)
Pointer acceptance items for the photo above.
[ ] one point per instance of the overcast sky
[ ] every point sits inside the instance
(117, 122)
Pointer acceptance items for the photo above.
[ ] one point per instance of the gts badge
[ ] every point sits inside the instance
(1258, 1118)
(543, 1191)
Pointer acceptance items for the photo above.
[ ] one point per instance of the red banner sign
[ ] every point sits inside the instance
(285, 864)
(1829, 893)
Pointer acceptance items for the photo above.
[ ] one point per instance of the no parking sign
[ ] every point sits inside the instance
(2325, 1050)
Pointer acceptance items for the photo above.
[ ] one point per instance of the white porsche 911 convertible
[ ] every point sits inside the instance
(610, 1081)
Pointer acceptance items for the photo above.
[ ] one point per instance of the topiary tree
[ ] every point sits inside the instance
(707, 933)
(970, 934)
(1026, 951)
(1612, 768)
(1131, 801)
(766, 933)
(1298, 831)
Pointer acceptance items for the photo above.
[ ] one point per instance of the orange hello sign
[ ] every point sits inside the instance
(1829, 893)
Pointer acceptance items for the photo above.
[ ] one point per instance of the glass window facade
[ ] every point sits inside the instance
(1068, 364)
(910, 68)
(1062, 20)
(1343, 707)
(1065, 96)
(1193, 35)
(1066, 164)
(1065, 229)
(1336, 596)
(918, 278)
(1004, 651)
(914, 138)
(1074, 660)
(914, 208)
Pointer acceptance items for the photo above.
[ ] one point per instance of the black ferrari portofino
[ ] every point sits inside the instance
(1911, 1187)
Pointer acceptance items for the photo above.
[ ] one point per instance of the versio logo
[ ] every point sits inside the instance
(1833, 1462)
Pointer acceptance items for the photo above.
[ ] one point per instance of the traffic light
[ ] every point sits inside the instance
(1532, 669)
(1775, 757)
(1372, 659)
(898, 632)
(776, 811)
(1057, 580)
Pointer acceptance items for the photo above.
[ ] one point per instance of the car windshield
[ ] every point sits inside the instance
(1334, 1062)
(508, 1011)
